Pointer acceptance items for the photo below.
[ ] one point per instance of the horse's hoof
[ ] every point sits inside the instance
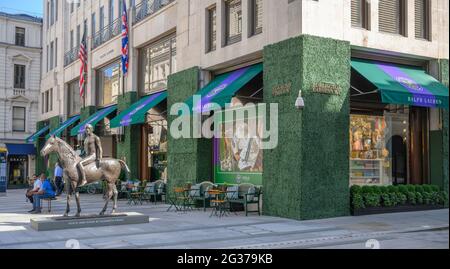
(101, 213)
(113, 212)
(66, 215)
(77, 215)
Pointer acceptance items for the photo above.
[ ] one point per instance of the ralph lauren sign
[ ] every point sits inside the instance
(326, 88)
(281, 89)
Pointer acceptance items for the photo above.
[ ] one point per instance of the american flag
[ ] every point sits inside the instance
(82, 54)
(124, 39)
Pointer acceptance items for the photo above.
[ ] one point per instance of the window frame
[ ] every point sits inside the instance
(254, 30)
(365, 15)
(230, 40)
(73, 90)
(145, 63)
(211, 33)
(403, 16)
(426, 21)
(20, 37)
(19, 76)
(14, 118)
(101, 82)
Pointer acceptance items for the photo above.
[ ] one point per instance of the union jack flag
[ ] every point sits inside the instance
(124, 39)
(82, 54)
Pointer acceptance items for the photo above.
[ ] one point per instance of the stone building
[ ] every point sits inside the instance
(20, 57)
(345, 56)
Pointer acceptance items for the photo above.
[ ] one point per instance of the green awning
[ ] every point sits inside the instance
(63, 126)
(93, 120)
(136, 113)
(406, 85)
(33, 137)
(223, 88)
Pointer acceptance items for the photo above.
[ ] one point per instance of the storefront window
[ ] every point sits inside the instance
(157, 63)
(109, 84)
(74, 102)
(157, 150)
(379, 148)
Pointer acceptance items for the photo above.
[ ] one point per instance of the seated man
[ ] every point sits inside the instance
(46, 191)
(36, 184)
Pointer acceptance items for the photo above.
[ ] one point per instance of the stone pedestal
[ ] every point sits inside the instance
(59, 223)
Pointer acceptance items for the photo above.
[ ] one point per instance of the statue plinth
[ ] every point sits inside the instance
(60, 223)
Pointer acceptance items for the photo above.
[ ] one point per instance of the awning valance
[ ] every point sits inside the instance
(223, 88)
(21, 149)
(135, 114)
(33, 137)
(404, 85)
(92, 120)
(63, 126)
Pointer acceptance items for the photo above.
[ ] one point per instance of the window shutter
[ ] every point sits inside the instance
(420, 18)
(356, 13)
(390, 16)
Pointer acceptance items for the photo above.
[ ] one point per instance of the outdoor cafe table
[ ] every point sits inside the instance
(219, 202)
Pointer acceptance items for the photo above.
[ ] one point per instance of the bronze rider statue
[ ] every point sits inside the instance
(92, 152)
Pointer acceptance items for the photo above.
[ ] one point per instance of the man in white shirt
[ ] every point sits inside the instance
(37, 184)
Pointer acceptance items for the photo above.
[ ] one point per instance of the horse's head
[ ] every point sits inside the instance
(50, 146)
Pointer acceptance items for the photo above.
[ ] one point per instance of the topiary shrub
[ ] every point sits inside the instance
(402, 189)
(401, 198)
(375, 189)
(366, 189)
(411, 188)
(392, 189)
(419, 198)
(427, 198)
(372, 199)
(386, 199)
(411, 196)
(419, 189)
(355, 189)
(427, 188)
(383, 189)
(357, 201)
(435, 188)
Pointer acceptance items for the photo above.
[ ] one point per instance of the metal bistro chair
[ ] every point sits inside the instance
(135, 194)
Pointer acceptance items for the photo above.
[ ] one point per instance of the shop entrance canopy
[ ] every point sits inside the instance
(33, 137)
(21, 149)
(403, 84)
(63, 126)
(135, 114)
(93, 120)
(223, 88)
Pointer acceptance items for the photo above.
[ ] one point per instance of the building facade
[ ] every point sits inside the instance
(20, 54)
(352, 129)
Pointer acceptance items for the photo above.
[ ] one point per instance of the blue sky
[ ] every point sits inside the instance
(31, 7)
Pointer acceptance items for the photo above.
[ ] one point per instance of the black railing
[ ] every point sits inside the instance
(107, 33)
(71, 56)
(148, 7)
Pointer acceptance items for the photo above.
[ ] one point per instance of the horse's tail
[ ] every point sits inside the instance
(125, 167)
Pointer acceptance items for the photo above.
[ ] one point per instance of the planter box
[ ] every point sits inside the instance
(394, 209)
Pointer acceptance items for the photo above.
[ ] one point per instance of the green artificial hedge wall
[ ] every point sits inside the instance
(128, 149)
(307, 175)
(40, 142)
(444, 77)
(54, 124)
(189, 160)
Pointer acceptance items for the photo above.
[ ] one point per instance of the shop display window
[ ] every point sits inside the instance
(378, 149)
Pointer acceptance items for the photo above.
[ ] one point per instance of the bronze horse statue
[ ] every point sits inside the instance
(107, 169)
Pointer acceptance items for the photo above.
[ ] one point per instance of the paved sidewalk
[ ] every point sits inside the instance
(195, 229)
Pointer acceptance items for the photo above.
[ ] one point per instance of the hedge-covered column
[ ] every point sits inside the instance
(189, 160)
(54, 124)
(444, 77)
(40, 142)
(307, 175)
(128, 149)
(87, 111)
